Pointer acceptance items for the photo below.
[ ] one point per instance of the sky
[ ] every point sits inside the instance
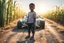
(41, 6)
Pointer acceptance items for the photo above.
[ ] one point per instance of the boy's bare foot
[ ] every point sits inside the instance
(27, 37)
(32, 38)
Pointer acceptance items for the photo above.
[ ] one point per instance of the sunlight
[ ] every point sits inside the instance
(41, 9)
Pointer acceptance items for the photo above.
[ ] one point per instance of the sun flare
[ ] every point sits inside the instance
(41, 9)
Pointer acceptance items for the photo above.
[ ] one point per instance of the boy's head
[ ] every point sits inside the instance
(32, 6)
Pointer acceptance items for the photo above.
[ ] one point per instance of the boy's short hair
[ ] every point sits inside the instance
(31, 4)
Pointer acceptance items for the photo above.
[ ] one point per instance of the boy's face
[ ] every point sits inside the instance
(32, 7)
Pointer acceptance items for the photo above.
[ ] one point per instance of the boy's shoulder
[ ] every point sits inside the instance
(31, 12)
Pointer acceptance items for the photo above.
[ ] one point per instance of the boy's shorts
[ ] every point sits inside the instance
(31, 26)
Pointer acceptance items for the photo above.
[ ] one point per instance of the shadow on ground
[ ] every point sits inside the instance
(26, 41)
(24, 29)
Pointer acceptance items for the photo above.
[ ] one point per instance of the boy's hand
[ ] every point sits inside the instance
(26, 22)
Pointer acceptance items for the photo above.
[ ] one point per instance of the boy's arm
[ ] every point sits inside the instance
(34, 17)
(27, 18)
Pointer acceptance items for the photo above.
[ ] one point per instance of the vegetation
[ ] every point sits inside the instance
(56, 15)
(9, 12)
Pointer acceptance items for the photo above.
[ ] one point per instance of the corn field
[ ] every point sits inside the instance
(56, 15)
(9, 12)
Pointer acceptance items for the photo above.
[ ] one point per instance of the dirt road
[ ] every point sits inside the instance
(51, 34)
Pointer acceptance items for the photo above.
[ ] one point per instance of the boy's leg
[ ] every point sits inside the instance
(29, 28)
(33, 30)
(28, 31)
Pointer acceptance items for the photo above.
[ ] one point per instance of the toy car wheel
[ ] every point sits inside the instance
(43, 25)
(19, 25)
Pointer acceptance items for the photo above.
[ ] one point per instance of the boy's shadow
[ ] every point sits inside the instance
(26, 41)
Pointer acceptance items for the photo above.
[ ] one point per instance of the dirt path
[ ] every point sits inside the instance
(51, 34)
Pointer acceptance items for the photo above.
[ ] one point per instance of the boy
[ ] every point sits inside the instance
(31, 20)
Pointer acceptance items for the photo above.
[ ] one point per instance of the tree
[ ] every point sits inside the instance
(2, 12)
